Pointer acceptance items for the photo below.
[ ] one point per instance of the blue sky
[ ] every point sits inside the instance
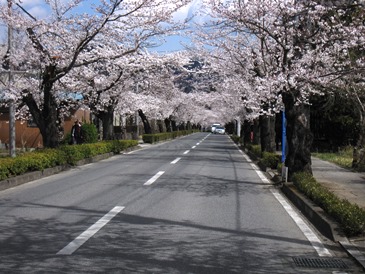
(39, 9)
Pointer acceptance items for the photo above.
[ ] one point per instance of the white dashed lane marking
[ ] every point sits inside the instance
(154, 178)
(175, 161)
(87, 234)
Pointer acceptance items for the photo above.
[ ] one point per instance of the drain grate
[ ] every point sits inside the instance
(319, 262)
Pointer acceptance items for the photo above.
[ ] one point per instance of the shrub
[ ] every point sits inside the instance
(236, 139)
(5, 163)
(73, 153)
(67, 139)
(255, 149)
(90, 133)
(350, 216)
(65, 154)
(270, 159)
(158, 137)
(116, 146)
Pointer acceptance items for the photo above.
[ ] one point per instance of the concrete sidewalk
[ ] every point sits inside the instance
(347, 185)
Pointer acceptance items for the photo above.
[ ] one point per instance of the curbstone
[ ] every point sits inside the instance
(30, 176)
(314, 213)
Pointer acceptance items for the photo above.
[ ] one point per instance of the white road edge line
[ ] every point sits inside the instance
(307, 231)
(311, 236)
(87, 234)
(186, 152)
(175, 161)
(154, 178)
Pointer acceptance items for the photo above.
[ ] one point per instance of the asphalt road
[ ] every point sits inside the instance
(191, 205)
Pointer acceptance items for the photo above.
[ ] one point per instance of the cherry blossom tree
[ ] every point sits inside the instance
(337, 64)
(55, 47)
(286, 46)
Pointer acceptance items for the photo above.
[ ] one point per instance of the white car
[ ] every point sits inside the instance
(214, 126)
(219, 130)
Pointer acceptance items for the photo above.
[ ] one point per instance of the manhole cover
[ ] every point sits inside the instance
(319, 262)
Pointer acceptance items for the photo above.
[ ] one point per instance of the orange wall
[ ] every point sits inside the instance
(30, 137)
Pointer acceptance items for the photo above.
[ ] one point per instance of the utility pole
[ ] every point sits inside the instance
(12, 147)
(238, 122)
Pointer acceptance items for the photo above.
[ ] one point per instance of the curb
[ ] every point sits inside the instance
(354, 252)
(316, 215)
(36, 175)
(30, 176)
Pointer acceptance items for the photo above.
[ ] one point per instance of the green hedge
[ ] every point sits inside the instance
(270, 159)
(255, 149)
(158, 137)
(350, 216)
(236, 139)
(66, 154)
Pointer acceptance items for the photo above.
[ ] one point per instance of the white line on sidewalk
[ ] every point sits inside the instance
(87, 234)
(186, 152)
(154, 178)
(175, 161)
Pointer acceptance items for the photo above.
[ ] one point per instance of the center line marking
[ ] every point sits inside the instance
(186, 152)
(87, 234)
(154, 178)
(193, 147)
(175, 161)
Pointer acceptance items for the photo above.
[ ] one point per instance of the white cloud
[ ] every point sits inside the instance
(187, 11)
(38, 12)
(30, 3)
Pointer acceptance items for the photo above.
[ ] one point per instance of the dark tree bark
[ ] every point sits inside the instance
(106, 117)
(267, 133)
(299, 135)
(246, 132)
(160, 125)
(255, 129)
(173, 125)
(47, 116)
(108, 128)
(146, 123)
(168, 125)
(188, 125)
(358, 160)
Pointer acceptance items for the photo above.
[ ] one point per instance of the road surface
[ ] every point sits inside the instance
(196, 204)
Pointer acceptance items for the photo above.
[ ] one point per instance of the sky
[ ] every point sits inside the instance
(39, 9)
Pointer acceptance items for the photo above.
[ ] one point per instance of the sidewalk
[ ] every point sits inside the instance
(347, 185)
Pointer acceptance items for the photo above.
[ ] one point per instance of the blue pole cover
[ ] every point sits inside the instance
(283, 142)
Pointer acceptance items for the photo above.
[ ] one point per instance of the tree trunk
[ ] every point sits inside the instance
(173, 125)
(168, 125)
(255, 131)
(246, 132)
(46, 118)
(267, 133)
(358, 160)
(188, 125)
(161, 127)
(299, 136)
(146, 124)
(106, 118)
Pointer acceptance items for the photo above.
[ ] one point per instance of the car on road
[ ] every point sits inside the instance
(219, 130)
(214, 126)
